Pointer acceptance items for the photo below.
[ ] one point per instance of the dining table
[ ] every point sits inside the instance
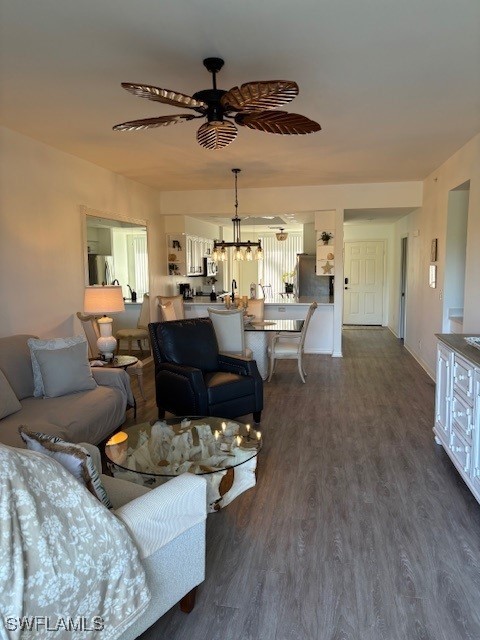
(259, 332)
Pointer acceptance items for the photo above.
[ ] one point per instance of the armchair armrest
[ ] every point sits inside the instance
(238, 365)
(115, 378)
(167, 511)
(174, 381)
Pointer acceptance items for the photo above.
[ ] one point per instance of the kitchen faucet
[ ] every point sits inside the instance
(115, 282)
(234, 286)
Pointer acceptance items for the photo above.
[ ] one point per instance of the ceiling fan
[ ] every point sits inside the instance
(253, 105)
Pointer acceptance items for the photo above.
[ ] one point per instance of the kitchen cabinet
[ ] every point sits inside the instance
(186, 254)
(457, 407)
(99, 241)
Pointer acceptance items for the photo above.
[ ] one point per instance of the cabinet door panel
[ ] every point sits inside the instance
(443, 392)
(460, 451)
(463, 377)
(462, 416)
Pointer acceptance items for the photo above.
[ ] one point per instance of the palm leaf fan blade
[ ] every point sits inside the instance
(280, 122)
(151, 123)
(166, 96)
(268, 94)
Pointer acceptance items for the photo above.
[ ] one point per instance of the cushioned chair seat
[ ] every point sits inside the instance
(135, 334)
(223, 386)
(285, 346)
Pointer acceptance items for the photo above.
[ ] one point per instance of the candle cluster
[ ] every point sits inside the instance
(237, 439)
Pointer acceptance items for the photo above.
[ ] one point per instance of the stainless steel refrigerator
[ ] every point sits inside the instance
(308, 284)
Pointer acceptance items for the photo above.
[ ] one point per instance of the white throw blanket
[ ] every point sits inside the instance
(68, 567)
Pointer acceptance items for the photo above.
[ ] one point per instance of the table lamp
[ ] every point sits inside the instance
(103, 299)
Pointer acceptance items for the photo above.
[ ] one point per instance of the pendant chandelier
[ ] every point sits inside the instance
(220, 246)
(281, 235)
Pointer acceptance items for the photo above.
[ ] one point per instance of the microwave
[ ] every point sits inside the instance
(209, 267)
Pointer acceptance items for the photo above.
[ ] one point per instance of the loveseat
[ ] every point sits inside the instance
(88, 416)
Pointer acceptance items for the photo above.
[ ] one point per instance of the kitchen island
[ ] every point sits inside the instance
(319, 337)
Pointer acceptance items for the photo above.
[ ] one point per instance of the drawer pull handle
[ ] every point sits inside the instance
(461, 377)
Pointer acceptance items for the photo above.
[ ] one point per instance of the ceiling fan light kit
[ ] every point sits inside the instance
(253, 105)
(220, 246)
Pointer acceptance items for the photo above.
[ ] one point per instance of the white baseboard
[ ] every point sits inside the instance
(421, 362)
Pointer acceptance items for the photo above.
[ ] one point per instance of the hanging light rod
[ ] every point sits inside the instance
(220, 246)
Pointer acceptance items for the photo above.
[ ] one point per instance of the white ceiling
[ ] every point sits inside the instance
(394, 84)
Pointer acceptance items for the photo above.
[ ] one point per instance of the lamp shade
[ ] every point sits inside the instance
(103, 299)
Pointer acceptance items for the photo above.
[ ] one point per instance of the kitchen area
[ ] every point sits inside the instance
(204, 283)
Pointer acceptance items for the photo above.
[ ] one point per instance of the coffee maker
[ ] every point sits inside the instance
(186, 290)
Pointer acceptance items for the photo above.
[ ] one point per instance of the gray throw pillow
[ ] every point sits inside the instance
(35, 344)
(65, 371)
(8, 400)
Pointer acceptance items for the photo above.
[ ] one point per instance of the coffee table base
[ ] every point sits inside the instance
(222, 486)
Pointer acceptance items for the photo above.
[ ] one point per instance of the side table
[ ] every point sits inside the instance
(120, 362)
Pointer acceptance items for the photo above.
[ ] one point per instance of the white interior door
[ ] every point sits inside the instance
(363, 295)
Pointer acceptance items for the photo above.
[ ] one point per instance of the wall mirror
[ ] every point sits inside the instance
(115, 251)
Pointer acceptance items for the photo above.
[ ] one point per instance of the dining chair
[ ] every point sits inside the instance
(256, 308)
(288, 346)
(177, 302)
(166, 312)
(140, 332)
(92, 333)
(267, 291)
(229, 326)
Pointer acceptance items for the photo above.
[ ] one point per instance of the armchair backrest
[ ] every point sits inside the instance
(187, 342)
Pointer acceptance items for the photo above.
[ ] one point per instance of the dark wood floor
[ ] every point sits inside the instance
(359, 526)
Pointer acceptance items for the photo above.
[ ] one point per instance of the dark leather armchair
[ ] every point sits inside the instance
(193, 378)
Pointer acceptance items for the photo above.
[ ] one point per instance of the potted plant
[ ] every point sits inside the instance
(286, 278)
(326, 236)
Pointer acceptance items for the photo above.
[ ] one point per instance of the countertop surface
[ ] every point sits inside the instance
(456, 341)
(274, 300)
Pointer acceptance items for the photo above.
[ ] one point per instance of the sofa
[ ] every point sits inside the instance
(89, 416)
(148, 551)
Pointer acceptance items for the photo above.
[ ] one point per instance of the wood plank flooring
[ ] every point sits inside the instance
(359, 527)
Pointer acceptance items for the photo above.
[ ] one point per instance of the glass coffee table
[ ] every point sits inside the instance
(223, 451)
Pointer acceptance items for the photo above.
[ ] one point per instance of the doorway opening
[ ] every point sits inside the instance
(402, 320)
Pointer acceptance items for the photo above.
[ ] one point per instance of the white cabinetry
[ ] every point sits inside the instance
(186, 254)
(457, 413)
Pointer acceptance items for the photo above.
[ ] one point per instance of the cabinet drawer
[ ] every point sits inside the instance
(460, 451)
(462, 416)
(463, 377)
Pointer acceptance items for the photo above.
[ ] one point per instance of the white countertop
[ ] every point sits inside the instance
(276, 300)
